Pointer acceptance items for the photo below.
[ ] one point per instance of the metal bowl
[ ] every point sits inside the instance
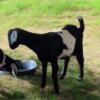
(23, 66)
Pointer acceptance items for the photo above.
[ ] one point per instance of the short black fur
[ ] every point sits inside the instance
(49, 46)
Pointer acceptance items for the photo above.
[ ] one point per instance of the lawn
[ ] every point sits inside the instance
(42, 16)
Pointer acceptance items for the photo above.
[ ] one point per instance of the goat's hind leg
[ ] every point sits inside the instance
(80, 60)
(64, 71)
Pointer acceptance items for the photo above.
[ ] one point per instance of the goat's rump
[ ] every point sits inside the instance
(69, 41)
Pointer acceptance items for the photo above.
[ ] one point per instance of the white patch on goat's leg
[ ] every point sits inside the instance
(13, 37)
(69, 41)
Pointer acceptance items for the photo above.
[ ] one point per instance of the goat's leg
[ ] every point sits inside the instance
(55, 76)
(64, 71)
(44, 73)
(80, 60)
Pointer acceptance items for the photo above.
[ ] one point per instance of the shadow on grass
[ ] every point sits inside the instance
(8, 94)
(70, 88)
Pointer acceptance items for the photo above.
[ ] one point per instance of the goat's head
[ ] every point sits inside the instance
(13, 38)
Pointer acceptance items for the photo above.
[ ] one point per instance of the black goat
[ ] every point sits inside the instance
(51, 46)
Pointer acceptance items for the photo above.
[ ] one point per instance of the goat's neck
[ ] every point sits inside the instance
(31, 40)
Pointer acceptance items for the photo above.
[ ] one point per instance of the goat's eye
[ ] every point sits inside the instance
(13, 37)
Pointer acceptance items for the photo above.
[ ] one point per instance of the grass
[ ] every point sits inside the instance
(46, 7)
(41, 16)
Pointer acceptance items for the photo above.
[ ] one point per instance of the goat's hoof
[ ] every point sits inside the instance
(43, 86)
(62, 77)
(80, 78)
(57, 92)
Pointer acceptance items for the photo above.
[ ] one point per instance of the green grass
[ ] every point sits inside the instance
(33, 12)
(46, 15)
(46, 6)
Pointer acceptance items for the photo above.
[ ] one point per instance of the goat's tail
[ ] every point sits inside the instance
(81, 21)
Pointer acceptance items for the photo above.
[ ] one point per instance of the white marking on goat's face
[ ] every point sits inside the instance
(69, 41)
(13, 37)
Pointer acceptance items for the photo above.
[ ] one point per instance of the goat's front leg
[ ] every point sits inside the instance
(44, 73)
(65, 67)
(55, 76)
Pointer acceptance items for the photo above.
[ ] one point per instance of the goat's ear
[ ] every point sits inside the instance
(13, 36)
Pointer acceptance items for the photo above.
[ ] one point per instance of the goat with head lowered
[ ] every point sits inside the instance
(52, 46)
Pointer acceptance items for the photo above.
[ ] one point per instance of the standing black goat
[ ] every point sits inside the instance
(51, 46)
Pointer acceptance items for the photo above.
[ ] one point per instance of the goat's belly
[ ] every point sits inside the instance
(69, 41)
